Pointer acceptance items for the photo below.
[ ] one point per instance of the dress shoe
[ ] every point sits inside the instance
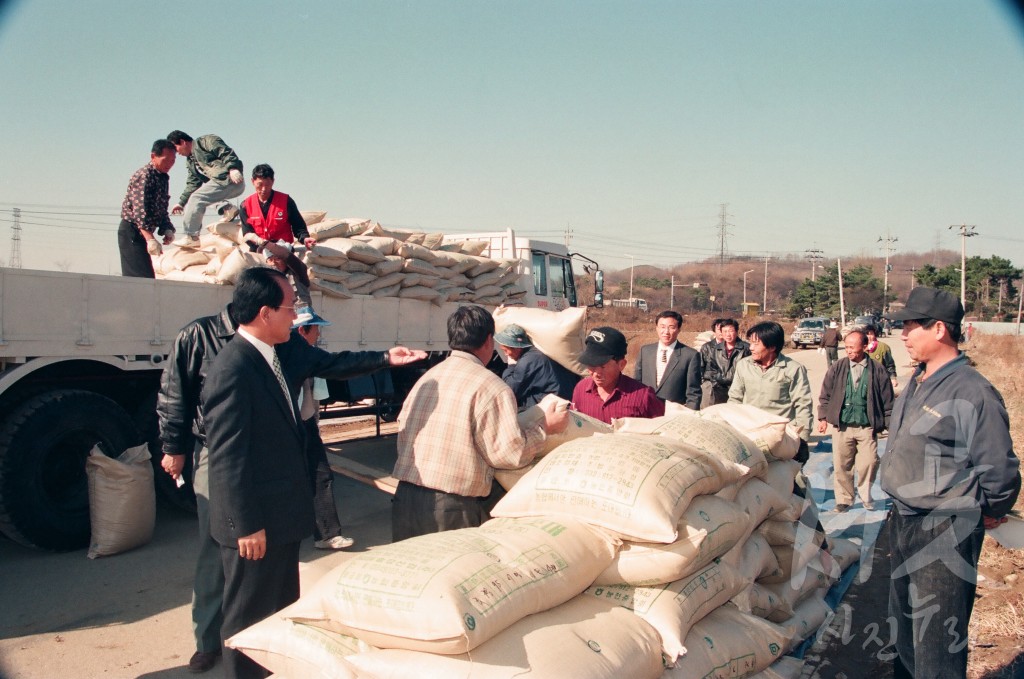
(841, 508)
(202, 661)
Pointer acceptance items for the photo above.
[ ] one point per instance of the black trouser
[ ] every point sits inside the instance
(135, 259)
(416, 510)
(325, 514)
(254, 589)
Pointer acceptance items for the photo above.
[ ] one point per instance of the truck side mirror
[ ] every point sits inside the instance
(599, 300)
(598, 281)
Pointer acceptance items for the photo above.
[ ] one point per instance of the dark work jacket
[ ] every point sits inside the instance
(833, 393)
(535, 375)
(178, 403)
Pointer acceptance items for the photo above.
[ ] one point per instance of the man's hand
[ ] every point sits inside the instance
(822, 426)
(405, 355)
(991, 523)
(168, 236)
(173, 464)
(254, 240)
(153, 247)
(309, 242)
(177, 209)
(253, 546)
(556, 420)
(235, 176)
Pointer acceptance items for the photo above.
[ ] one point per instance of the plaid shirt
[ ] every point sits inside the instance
(458, 425)
(145, 203)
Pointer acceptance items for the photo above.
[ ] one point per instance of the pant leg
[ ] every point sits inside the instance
(931, 593)
(325, 513)
(866, 463)
(254, 589)
(135, 260)
(206, 195)
(844, 450)
(416, 510)
(208, 588)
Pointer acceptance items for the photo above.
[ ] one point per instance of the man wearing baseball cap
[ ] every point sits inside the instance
(531, 375)
(607, 393)
(951, 471)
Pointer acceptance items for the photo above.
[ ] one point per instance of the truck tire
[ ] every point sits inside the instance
(44, 495)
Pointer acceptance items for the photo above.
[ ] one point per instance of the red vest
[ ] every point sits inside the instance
(275, 225)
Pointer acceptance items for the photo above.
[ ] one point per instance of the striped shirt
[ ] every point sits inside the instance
(458, 425)
(630, 398)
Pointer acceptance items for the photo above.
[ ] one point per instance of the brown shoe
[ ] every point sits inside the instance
(202, 661)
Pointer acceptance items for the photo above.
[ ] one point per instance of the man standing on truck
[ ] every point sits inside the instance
(214, 175)
(183, 432)
(607, 392)
(531, 375)
(144, 213)
(951, 471)
(269, 215)
(457, 426)
(672, 369)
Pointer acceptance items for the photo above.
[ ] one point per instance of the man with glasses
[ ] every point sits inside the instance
(951, 471)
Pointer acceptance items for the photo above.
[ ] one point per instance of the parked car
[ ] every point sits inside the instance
(808, 332)
(859, 323)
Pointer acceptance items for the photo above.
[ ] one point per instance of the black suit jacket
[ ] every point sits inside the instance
(681, 381)
(258, 477)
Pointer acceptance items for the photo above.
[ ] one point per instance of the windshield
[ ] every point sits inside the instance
(810, 324)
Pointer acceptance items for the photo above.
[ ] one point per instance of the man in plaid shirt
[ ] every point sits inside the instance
(457, 426)
(144, 213)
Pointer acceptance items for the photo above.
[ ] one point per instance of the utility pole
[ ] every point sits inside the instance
(568, 235)
(764, 302)
(672, 292)
(745, 289)
(815, 256)
(630, 279)
(889, 249)
(966, 231)
(15, 260)
(723, 231)
(913, 276)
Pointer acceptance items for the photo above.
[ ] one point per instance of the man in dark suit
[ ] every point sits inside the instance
(261, 503)
(670, 367)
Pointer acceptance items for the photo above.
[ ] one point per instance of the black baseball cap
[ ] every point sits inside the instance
(603, 345)
(926, 303)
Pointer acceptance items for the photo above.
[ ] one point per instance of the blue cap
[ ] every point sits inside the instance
(306, 316)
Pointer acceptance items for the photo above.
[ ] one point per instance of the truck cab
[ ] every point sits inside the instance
(808, 332)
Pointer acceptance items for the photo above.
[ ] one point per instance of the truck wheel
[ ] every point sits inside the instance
(44, 496)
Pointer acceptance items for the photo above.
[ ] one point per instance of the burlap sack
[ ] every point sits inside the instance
(391, 264)
(338, 228)
(235, 263)
(755, 558)
(773, 434)
(564, 642)
(291, 649)
(419, 292)
(345, 249)
(559, 335)
(808, 617)
(328, 273)
(386, 246)
(390, 291)
(122, 500)
(413, 251)
(728, 643)
(805, 583)
(709, 528)
(449, 592)
(230, 230)
(717, 438)
(756, 600)
(311, 217)
(330, 288)
(780, 475)
(673, 608)
(637, 486)
(485, 280)
(482, 266)
(422, 266)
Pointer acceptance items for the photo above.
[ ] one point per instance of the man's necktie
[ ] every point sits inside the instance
(284, 385)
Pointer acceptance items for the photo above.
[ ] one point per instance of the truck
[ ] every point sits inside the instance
(808, 332)
(81, 357)
(640, 304)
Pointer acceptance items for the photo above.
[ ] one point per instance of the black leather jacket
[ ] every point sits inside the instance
(179, 408)
(719, 368)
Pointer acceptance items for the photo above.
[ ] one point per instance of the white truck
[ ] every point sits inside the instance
(635, 302)
(81, 357)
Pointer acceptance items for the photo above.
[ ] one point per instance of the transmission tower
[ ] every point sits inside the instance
(815, 255)
(723, 233)
(15, 258)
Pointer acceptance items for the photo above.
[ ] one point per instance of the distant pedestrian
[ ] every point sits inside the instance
(856, 399)
(881, 352)
(952, 473)
(830, 343)
(144, 213)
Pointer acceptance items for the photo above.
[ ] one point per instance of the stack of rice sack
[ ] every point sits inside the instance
(219, 259)
(621, 553)
(360, 257)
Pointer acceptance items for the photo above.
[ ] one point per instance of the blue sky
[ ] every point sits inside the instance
(820, 124)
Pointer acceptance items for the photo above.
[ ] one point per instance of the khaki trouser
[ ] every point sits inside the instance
(854, 451)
